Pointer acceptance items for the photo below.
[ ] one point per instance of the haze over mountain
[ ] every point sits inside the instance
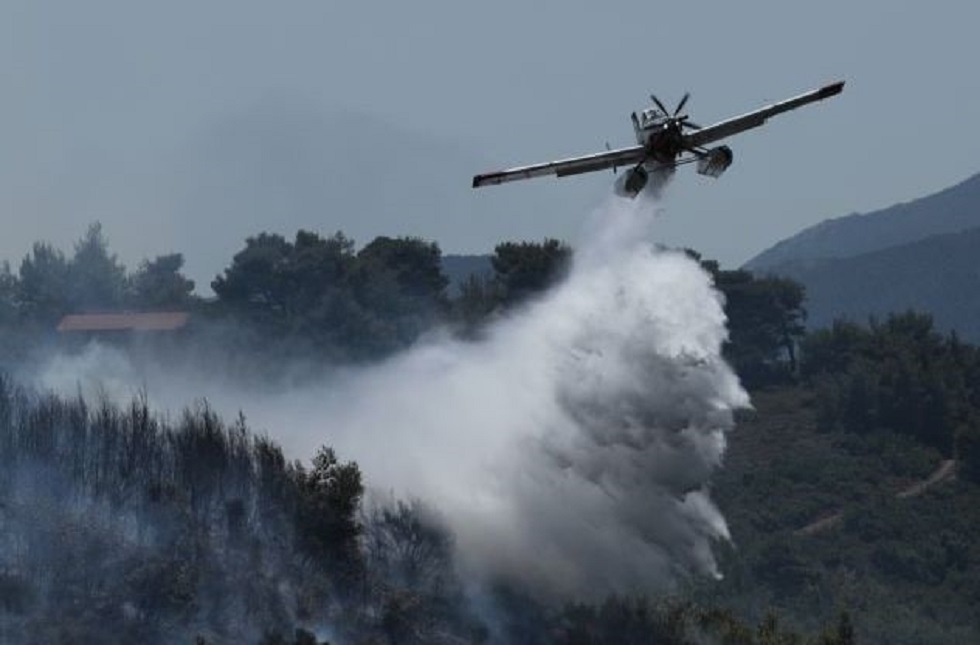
(954, 209)
(279, 165)
(918, 255)
(939, 275)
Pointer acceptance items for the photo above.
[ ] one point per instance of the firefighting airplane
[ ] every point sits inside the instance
(665, 140)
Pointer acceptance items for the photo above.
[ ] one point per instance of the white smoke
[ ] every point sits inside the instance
(571, 449)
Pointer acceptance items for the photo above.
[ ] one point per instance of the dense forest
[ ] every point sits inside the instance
(850, 488)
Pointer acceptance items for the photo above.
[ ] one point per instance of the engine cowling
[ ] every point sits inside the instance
(632, 182)
(715, 161)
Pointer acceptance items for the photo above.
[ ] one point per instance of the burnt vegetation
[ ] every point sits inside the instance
(123, 526)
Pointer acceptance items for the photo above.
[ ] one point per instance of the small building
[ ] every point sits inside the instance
(128, 321)
(127, 328)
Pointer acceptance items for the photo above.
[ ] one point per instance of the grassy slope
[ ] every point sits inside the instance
(905, 568)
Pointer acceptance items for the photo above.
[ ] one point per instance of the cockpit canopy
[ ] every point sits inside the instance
(650, 116)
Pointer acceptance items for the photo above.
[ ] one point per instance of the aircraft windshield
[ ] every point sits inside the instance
(650, 116)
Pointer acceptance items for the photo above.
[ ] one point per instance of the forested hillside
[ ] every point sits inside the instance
(850, 489)
(857, 488)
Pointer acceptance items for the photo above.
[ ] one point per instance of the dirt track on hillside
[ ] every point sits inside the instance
(945, 472)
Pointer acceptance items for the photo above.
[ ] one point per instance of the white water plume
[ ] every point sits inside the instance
(571, 449)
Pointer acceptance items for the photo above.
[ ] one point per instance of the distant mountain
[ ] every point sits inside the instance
(948, 211)
(918, 255)
(939, 275)
(458, 268)
(283, 164)
(280, 167)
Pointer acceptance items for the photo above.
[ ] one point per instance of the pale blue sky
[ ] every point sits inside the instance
(119, 110)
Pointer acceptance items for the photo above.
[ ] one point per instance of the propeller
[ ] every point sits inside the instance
(682, 120)
(659, 104)
(680, 106)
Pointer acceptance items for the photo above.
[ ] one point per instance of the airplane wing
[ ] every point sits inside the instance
(754, 119)
(565, 167)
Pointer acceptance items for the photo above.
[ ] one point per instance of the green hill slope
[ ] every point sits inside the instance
(903, 566)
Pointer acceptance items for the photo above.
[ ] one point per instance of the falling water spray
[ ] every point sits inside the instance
(569, 451)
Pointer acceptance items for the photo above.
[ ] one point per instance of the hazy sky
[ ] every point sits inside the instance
(189, 125)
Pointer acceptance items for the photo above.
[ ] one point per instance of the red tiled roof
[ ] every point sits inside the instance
(127, 321)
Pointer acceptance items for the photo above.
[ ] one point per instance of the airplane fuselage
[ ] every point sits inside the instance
(661, 136)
